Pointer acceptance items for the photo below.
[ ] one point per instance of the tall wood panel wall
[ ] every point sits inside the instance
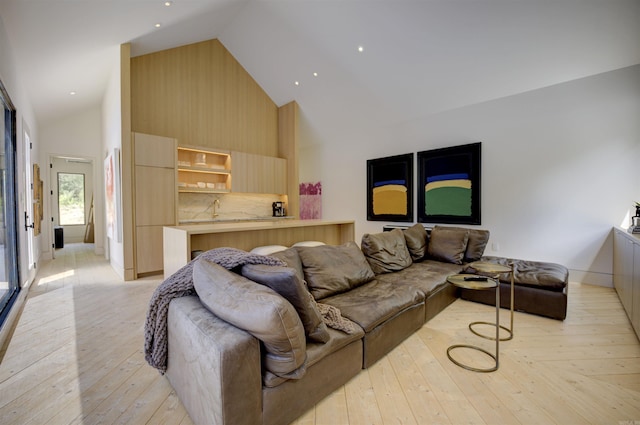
(288, 148)
(127, 182)
(200, 95)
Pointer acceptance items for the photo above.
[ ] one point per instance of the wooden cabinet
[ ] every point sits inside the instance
(162, 170)
(203, 171)
(626, 274)
(258, 173)
(154, 197)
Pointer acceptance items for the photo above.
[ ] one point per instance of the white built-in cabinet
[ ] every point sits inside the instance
(626, 274)
(154, 197)
(254, 173)
(635, 308)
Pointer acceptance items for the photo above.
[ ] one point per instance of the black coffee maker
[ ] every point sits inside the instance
(635, 220)
(278, 209)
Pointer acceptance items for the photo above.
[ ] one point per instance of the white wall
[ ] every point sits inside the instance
(112, 139)
(559, 167)
(24, 119)
(77, 136)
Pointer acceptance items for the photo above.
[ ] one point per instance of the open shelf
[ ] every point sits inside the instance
(203, 171)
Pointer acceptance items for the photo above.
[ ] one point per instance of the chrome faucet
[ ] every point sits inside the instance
(216, 203)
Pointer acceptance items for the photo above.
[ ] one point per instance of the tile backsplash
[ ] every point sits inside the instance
(232, 206)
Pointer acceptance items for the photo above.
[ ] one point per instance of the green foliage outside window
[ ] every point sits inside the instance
(71, 198)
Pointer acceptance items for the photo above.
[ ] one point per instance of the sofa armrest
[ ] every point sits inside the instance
(214, 367)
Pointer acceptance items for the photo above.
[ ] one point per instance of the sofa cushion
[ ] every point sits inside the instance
(541, 274)
(535, 274)
(417, 239)
(292, 259)
(316, 352)
(331, 269)
(476, 245)
(386, 252)
(478, 239)
(286, 282)
(448, 244)
(375, 302)
(257, 309)
(428, 275)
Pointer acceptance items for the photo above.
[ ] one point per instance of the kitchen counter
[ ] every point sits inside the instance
(180, 241)
(230, 220)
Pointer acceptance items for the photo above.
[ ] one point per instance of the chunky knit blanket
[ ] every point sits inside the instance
(332, 317)
(180, 284)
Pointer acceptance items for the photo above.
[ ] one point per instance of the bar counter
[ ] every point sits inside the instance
(180, 241)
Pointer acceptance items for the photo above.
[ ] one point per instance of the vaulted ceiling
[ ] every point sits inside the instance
(418, 56)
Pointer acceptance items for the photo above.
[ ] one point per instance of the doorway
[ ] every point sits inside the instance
(72, 195)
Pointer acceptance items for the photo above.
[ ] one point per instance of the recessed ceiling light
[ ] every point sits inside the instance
(158, 25)
(297, 83)
(315, 74)
(168, 3)
(360, 49)
(72, 93)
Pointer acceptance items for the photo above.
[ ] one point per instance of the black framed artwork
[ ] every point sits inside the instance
(390, 188)
(449, 185)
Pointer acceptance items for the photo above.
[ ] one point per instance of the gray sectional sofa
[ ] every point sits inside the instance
(262, 344)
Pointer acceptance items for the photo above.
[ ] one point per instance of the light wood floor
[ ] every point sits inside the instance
(76, 358)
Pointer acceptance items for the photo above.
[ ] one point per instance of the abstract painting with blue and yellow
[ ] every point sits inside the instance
(390, 188)
(448, 194)
(390, 197)
(449, 182)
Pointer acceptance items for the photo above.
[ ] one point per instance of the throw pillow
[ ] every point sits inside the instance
(285, 282)
(417, 239)
(448, 244)
(386, 252)
(331, 269)
(268, 249)
(308, 243)
(476, 245)
(478, 240)
(258, 310)
(291, 257)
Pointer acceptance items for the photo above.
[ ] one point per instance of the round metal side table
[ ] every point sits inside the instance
(494, 270)
(476, 282)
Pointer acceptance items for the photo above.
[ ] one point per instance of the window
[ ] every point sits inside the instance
(9, 272)
(71, 198)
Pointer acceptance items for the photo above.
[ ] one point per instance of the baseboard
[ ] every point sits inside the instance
(10, 323)
(591, 278)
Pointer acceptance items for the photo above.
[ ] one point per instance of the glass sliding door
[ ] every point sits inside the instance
(9, 275)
